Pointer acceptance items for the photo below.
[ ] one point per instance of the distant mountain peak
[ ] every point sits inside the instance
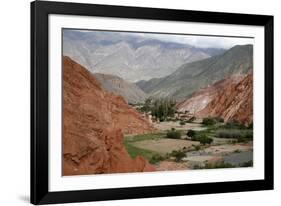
(131, 57)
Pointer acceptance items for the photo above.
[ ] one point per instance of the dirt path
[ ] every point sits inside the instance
(168, 125)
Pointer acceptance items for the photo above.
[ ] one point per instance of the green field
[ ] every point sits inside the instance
(156, 147)
(135, 151)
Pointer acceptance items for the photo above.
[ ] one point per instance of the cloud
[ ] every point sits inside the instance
(193, 40)
(201, 41)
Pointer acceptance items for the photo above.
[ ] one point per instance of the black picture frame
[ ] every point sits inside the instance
(40, 113)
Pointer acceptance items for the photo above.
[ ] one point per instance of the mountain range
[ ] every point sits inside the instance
(130, 56)
(191, 77)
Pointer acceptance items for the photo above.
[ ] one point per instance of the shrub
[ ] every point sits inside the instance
(209, 121)
(240, 135)
(173, 134)
(202, 138)
(231, 134)
(233, 124)
(156, 158)
(197, 147)
(182, 123)
(191, 133)
(178, 155)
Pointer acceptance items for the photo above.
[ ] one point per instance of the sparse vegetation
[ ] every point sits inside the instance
(208, 121)
(242, 135)
(156, 158)
(173, 134)
(233, 124)
(197, 147)
(179, 154)
(191, 133)
(229, 133)
(202, 138)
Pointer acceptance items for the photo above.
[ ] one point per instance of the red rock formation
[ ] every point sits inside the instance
(200, 99)
(94, 123)
(231, 99)
(233, 102)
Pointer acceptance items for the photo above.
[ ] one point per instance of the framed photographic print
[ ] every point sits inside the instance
(131, 102)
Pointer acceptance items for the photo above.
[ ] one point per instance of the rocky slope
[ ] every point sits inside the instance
(194, 76)
(130, 91)
(233, 102)
(132, 57)
(231, 99)
(94, 122)
(200, 99)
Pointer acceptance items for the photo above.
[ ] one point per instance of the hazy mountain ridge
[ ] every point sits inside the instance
(130, 57)
(191, 77)
(130, 91)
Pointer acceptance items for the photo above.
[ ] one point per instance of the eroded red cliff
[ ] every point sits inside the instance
(233, 102)
(94, 122)
(230, 98)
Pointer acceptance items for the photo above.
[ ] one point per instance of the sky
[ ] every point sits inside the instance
(194, 40)
(202, 41)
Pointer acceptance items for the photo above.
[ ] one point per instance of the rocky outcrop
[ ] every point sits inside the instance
(233, 102)
(94, 124)
(200, 99)
(230, 98)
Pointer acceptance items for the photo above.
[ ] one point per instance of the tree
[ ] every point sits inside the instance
(191, 133)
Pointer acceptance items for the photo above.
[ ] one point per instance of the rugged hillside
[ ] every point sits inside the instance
(148, 85)
(131, 57)
(233, 102)
(130, 91)
(200, 99)
(193, 76)
(94, 124)
(231, 99)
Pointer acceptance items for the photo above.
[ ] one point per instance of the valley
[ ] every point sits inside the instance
(135, 104)
(196, 145)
